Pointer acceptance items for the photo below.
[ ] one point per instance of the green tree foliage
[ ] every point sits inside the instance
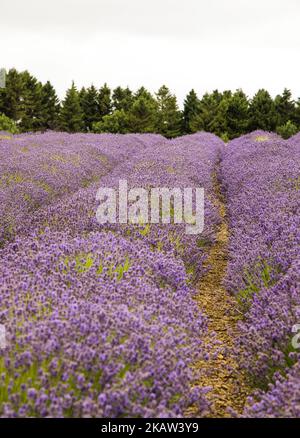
(50, 107)
(12, 95)
(71, 115)
(262, 113)
(168, 115)
(284, 107)
(218, 122)
(122, 99)
(117, 122)
(90, 107)
(30, 104)
(31, 116)
(34, 106)
(191, 110)
(142, 116)
(210, 109)
(237, 114)
(211, 113)
(104, 101)
(7, 124)
(287, 130)
(296, 115)
(142, 92)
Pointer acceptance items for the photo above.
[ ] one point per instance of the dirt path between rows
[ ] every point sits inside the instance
(221, 373)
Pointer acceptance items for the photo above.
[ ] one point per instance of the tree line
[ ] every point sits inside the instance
(28, 105)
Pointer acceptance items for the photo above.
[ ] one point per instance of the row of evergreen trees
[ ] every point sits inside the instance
(34, 106)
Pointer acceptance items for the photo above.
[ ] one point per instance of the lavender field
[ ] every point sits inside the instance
(145, 320)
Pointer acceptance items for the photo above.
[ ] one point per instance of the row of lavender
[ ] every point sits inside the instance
(100, 320)
(260, 173)
(37, 169)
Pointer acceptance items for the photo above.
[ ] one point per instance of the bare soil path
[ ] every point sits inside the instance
(229, 387)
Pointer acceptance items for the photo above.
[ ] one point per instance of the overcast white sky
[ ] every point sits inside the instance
(200, 44)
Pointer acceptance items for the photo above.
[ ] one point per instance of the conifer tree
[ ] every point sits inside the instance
(168, 116)
(104, 101)
(209, 107)
(49, 107)
(237, 114)
(262, 114)
(12, 95)
(284, 107)
(90, 107)
(191, 111)
(218, 123)
(71, 116)
(143, 114)
(33, 106)
(122, 99)
(211, 113)
(31, 96)
(143, 92)
(81, 94)
(197, 123)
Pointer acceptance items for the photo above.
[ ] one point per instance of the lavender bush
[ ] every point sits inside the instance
(260, 175)
(100, 319)
(37, 169)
